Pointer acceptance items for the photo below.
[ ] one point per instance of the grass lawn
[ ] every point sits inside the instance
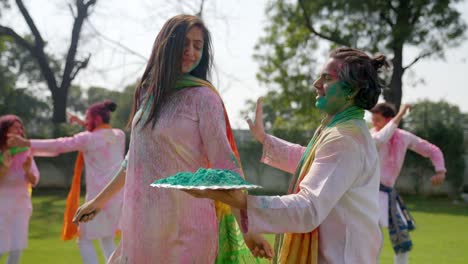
(441, 234)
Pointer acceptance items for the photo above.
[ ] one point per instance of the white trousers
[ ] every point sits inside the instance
(88, 253)
(13, 257)
(401, 258)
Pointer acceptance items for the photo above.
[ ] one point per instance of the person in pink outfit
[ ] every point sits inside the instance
(392, 144)
(174, 129)
(101, 151)
(17, 174)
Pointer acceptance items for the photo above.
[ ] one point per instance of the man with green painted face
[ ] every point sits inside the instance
(331, 212)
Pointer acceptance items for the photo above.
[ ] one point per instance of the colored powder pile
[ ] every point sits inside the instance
(205, 177)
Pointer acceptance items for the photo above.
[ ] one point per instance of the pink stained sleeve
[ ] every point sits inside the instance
(427, 150)
(382, 136)
(281, 154)
(336, 166)
(212, 128)
(54, 147)
(35, 172)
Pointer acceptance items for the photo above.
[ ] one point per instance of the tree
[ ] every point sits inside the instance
(123, 100)
(124, 106)
(58, 82)
(81, 99)
(286, 67)
(292, 117)
(13, 99)
(98, 94)
(430, 26)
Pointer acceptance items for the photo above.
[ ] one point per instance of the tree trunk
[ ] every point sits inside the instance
(37, 49)
(394, 93)
(59, 100)
(400, 32)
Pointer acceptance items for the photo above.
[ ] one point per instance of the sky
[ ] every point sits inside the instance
(235, 26)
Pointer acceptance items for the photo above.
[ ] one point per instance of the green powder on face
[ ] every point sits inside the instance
(205, 177)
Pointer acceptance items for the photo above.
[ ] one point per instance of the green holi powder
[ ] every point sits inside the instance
(13, 152)
(205, 177)
(323, 102)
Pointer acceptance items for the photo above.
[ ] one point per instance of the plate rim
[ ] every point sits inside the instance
(205, 187)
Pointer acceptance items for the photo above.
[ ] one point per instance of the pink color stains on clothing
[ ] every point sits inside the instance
(392, 144)
(15, 205)
(103, 154)
(339, 193)
(169, 226)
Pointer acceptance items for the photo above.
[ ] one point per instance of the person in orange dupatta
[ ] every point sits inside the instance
(101, 151)
(330, 214)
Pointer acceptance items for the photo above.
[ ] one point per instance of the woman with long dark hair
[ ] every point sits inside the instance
(178, 124)
(18, 172)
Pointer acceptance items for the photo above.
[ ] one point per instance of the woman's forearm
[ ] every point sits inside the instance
(115, 185)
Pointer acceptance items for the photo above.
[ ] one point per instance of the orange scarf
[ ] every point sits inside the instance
(69, 229)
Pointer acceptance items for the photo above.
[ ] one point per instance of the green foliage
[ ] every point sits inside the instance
(286, 53)
(124, 106)
(16, 100)
(17, 70)
(286, 67)
(80, 99)
(26, 68)
(292, 118)
(441, 124)
(380, 25)
(99, 94)
(21, 103)
(76, 101)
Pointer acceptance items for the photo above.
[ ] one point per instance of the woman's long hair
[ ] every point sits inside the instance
(164, 66)
(6, 122)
